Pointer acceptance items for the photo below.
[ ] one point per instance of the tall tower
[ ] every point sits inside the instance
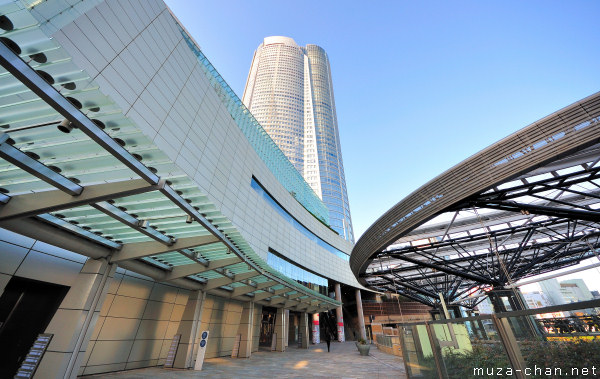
(290, 92)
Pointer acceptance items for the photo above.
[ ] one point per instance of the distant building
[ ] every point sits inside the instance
(290, 92)
(566, 291)
(485, 307)
(536, 300)
(575, 290)
(551, 288)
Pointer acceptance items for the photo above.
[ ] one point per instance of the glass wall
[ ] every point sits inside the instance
(551, 342)
(275, 205)
(308, 279)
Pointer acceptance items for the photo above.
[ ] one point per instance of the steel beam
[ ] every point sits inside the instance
(132, 222)
(447, 270)
(277, 300)
(34, 167)
(242, 290)
(32, 80)
(219, 282)
(146, 249)
(196, 268)
(512, 206)
(262, 295)
(76, 230)
(51, 201)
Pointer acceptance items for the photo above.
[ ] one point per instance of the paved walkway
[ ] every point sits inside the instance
(342, 362)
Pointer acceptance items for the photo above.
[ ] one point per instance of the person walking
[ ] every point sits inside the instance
(328, 338)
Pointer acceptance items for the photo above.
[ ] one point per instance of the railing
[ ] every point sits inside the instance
(557, 341)
(393, 308)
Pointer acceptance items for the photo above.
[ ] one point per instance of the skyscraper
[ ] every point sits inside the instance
(290, 92)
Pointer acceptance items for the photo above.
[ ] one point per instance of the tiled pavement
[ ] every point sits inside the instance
(342, 362)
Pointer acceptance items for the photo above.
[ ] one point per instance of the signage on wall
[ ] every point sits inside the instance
(172, 351)
(34, 356)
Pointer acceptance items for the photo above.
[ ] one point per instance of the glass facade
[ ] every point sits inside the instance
(308, 279)
(289, 218)
(260, 140)
(290, 92)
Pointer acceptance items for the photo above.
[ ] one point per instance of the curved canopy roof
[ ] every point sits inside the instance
(526, 205)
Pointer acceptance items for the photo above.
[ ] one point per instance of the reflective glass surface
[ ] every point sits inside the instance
(289, 218)
(306, 278)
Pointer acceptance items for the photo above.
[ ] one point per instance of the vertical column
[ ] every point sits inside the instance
(280, 329)
(287, 327)
(246, 329)
(361, 317)
(316, 331)
(304, 329)
(339, 314)
(189, 328)
(75, 319)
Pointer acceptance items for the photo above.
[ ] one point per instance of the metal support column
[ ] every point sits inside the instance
(361, 317)
(339, 314)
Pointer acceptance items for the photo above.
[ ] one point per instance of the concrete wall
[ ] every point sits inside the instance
(138, 317)
(136, 325)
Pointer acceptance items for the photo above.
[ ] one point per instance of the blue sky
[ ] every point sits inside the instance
(419, 85)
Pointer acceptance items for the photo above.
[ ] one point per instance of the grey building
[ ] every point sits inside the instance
(290, 92)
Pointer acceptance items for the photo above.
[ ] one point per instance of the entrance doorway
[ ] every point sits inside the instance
(26, 308)
(267, 327)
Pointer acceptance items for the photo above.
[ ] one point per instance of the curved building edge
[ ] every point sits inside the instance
(560, 133)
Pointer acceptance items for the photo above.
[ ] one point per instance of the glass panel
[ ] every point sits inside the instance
(559, 344)
(470, 348)
(417, 352)
(288, 217)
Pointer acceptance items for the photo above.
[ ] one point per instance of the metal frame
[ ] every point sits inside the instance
(526, 205)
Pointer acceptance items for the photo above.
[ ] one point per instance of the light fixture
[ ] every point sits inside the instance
(144, 224)
(189, 219)
(65, 126)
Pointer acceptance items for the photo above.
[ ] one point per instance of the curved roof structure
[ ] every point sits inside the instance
(525, 205)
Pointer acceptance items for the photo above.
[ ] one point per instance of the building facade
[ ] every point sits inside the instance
(290, 92)
(141, 199)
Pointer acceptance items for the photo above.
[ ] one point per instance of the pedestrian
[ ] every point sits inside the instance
(328, 338)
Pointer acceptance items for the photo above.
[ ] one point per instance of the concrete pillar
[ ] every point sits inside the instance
(246, 329)
(75, 319)
(316, 331)
(361, 317)
(339, 314)
(189, 328)
(280, 328)
(287, 327)
(303, 329)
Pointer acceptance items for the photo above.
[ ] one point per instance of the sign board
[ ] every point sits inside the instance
(201, 351)
(236, 346)
(173, 351)
(274, 342)
(34, 357)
